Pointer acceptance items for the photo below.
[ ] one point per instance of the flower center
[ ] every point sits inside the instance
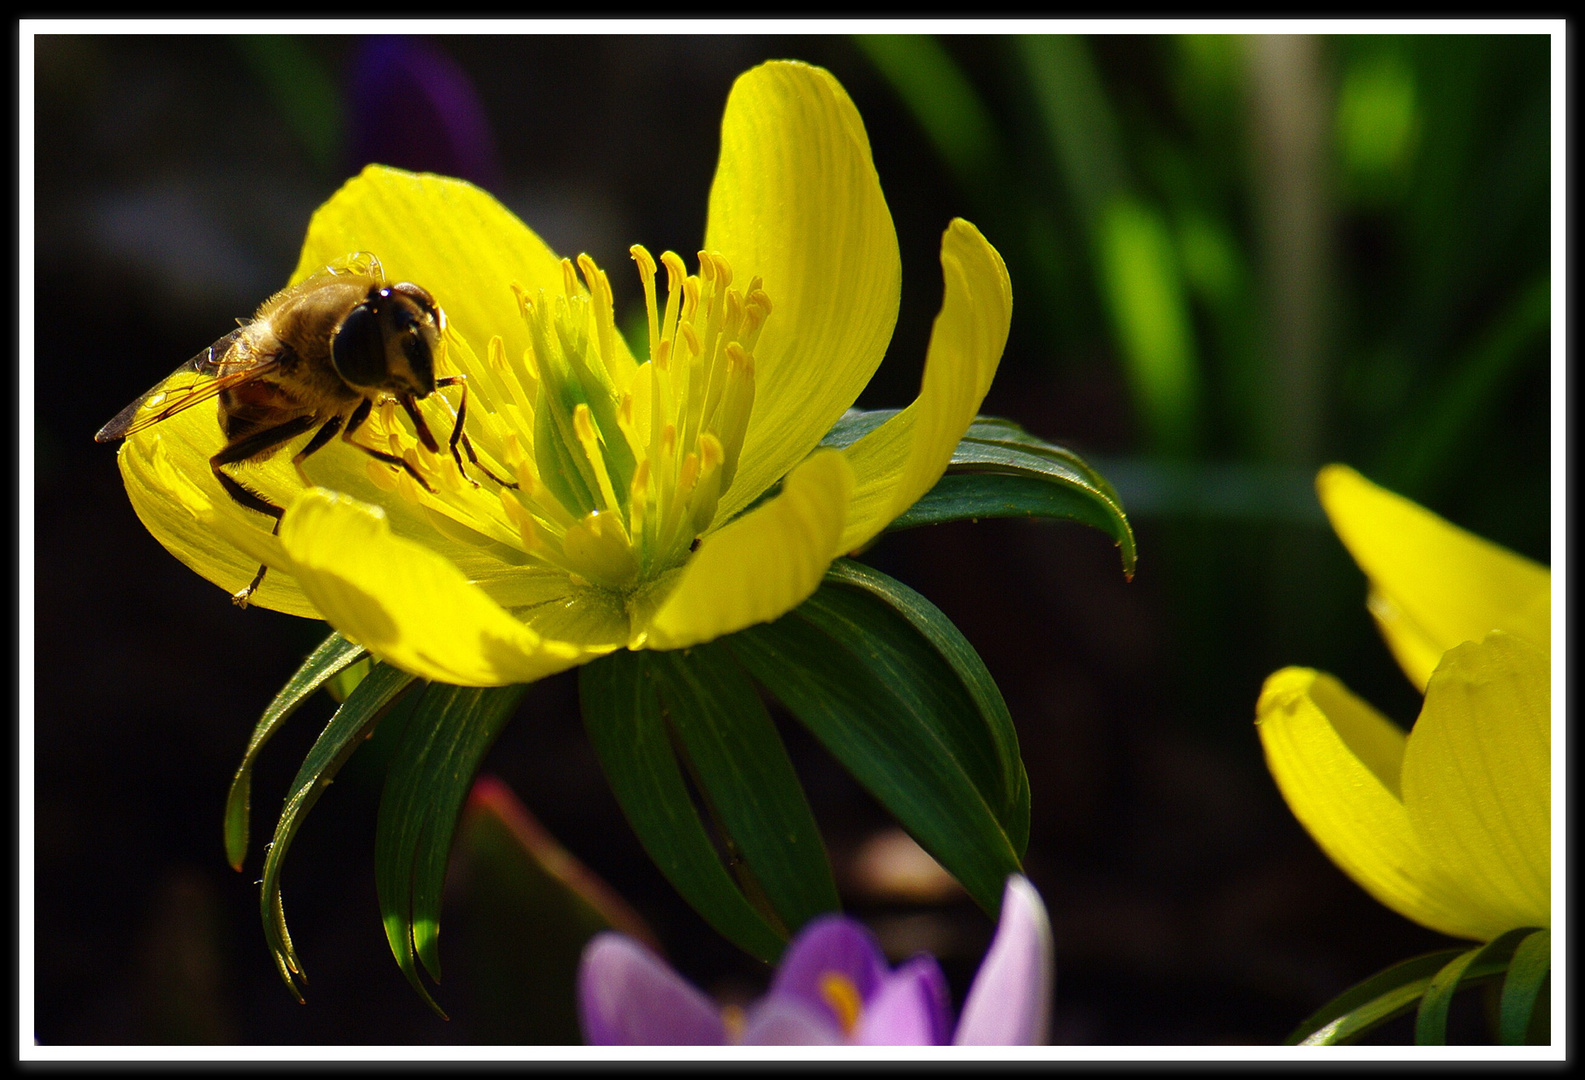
(838, 991)
(619, 468)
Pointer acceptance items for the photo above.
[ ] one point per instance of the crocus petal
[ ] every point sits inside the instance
(796, 201)
(1477, 779)
(1337, 762)
(408, 605)
(1433, 585)
(910, 1008)
(1009, 1003)
(627, 996)
(762, 565)
(446, 235)
(788, 1022)
(830, 945)
(902, 459)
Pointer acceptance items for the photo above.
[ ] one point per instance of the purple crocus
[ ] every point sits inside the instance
(833, 986)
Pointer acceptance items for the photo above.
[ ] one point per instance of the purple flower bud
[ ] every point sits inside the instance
(412, 106)
(833, 986)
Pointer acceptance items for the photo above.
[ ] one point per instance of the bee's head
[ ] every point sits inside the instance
(390, 341)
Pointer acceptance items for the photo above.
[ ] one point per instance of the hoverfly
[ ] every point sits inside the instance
(317, 356)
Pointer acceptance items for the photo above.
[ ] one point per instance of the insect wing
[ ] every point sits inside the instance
(207, 374)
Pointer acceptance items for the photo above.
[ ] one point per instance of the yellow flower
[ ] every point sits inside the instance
(634, 521)
(1449, 824)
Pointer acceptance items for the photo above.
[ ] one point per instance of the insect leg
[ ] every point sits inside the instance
(242, 450)
(354, 422)
(321, 437)
(460, 436)
(424, 434)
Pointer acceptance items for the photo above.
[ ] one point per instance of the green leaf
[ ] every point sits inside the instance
(333, 655)
(1527, 972)
(886, 703)
(1000, 775)
(622, 714)
(1318, 1028)
(1430, 1024)
(1000, 470)
(445, 738)
(348, 728)
(743, 776)
(1384, 996)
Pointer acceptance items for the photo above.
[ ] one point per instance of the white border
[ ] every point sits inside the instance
(30, 28)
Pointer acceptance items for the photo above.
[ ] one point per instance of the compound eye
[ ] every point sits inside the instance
(421, 297)
(358, 349)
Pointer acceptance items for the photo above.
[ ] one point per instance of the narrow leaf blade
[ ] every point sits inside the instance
(622, 714)
(448, 733)
(333, 656)
(1532, 961)
(1000, 470)
(1384, 996)
(1430, 1024)
(745, 778)
(1008, 790)
(879, 704)
(367, 705)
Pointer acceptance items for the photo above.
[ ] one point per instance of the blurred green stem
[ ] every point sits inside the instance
(1136, 265)
(1289, 121)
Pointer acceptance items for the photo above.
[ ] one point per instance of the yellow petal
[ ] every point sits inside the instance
(182, 505)
(796, 201)
(1477, 778)
(1336, 761)
(408, 605)
(450, 237)
(1433, 585)
(762, 565)
(902, 459)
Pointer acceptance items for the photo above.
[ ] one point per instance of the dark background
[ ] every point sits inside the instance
(1343, 245)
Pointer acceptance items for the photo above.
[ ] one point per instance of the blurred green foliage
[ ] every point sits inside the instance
(1292, 250)
(1296, 249)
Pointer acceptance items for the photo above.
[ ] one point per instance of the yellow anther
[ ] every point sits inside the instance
(663, 357)
(838, 991)
(527, 482)
(646, 271)
(690, 299)
(690, 338)
(589, 439)
(569, 279)
(638, 500)
(497, 352)
(529, 534)
(689, 475)
(381, 476)
(512, 449)
(710, 454)
(583, 424)
(733, 1020)
(706, 267)
(676, 274)
(512, 508)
